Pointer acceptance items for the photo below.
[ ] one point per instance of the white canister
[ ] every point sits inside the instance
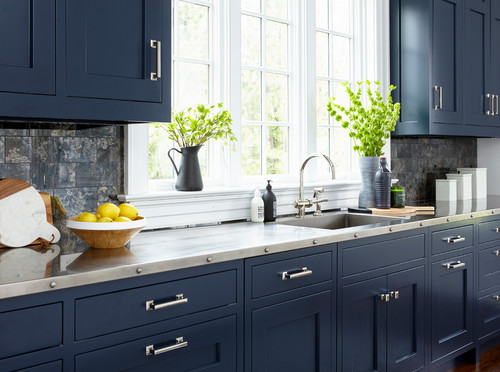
(464, 185)
(446, 190)
(478, 181)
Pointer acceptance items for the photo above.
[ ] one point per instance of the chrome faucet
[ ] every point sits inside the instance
(302, 204)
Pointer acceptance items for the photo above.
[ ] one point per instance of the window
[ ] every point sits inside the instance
(274, 64)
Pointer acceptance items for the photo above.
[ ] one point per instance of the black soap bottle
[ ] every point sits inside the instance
(269, 203)
(383, 186)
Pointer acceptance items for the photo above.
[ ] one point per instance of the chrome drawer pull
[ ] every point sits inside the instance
(454, 265)
(179, 343)
(439, 89)
(156, 44)
(386, 297)
(295, 274)
(454, 239)
(496, 298)
(496, 253)
(496, 229)
(179, 299)
(395, 295)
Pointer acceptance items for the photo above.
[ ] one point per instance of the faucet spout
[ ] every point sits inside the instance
(300, 204)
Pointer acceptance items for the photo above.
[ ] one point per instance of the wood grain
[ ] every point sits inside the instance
(9, 186)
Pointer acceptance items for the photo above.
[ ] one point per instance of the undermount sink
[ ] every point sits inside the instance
(339, 220)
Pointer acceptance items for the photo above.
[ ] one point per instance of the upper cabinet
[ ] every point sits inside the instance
(446, 67)
(85, 60)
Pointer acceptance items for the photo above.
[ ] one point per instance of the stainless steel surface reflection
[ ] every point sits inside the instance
(341, 220)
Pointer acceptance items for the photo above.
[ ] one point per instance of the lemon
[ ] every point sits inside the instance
(108, 210)
(128, 210)
(122, 219)
(104, 219)
(86, 217)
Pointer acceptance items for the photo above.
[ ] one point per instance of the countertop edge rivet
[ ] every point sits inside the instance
(266, 250)
(391, 229)
(471, 216)
(52, 284)
(421, 224)
(356, 235)
(492, 212)
(209, 259)
(138, 271)
(447, 220)
(315, 242)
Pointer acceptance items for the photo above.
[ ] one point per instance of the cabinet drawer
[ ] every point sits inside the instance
(451, 239)
(489, 314)
(41, 328)
(381, 254)
(489, 231)
(489, 267)
(47, 367)
(111, 312)
(209, 346)
(285, 275)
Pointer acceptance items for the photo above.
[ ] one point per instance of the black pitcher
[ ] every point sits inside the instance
(188, 174)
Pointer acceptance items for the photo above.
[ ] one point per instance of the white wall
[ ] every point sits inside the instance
(488, 156)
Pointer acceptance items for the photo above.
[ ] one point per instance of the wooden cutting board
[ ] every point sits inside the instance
(402, 212)
(23, 215)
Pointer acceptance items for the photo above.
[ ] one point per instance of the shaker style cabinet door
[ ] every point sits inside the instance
(113, 49)
(495, 59)
(27, 46)
(447, 52)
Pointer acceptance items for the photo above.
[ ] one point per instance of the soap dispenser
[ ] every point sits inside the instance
(257, 207)
(269, 203)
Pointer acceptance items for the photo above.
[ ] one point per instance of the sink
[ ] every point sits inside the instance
(339, 220)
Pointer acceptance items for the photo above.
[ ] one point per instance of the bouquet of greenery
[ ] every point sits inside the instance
(369, 127)
(196, 125)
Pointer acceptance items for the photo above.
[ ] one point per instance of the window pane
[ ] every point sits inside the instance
(322, 52)
(322, 98)
(191, 85)
(340, 94)
(322, 13)
(277, 8)
(341, 149)
(192, 30)
(251, 149)
(341, 57)
(277, 97)
(203, 159)
(323, 140)
(251, 5)
(250, 41)
(276, 45)
(341, 15)
(251, 87)
(277, 150)
(160, 166)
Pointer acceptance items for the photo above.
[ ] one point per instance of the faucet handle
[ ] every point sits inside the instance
(318, 191)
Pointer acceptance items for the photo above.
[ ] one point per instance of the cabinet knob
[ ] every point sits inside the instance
(386, 297)
(395, 295)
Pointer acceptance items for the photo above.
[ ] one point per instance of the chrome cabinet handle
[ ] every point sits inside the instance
(439, 89)
(386, 297)
(179, 343)
(454, 265)
(496, 106)
(496, 253)
(496, 229)
(496, 298)
(454, 239)
(156, 44)
(285, 275)
(179, 299)
(489, 97)
(395, 295)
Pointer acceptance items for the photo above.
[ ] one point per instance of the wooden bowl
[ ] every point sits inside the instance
(106, 234)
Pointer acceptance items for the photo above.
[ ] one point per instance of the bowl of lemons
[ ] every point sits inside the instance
(112, 226)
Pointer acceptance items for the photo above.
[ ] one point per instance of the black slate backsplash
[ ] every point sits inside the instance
(418, 161)
(82, 165)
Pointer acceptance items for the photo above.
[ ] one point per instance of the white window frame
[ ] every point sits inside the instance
(232, 201)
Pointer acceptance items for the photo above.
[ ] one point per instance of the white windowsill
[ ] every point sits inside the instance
(178, 208)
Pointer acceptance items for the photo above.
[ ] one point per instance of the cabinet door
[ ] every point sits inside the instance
(452, 304)
(478, 95)
(363, 326)
(447, 54)
(405, 320)
(108, 49)
(293, 336)
(495, 57)
(27, 46)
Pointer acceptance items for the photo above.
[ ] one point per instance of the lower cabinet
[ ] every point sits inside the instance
(452, 304)
(382, 323)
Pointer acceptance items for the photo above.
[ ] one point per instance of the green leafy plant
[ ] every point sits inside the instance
(196, 125)
(369, 127)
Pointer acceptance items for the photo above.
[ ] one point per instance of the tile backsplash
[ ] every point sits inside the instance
(82, 165)
(418, 161)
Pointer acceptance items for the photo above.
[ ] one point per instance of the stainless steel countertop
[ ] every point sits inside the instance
(157, 251)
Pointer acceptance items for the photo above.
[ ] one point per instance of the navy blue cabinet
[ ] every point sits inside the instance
(27, 46)
(381, 319)
(290, 311)
(85, 60)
